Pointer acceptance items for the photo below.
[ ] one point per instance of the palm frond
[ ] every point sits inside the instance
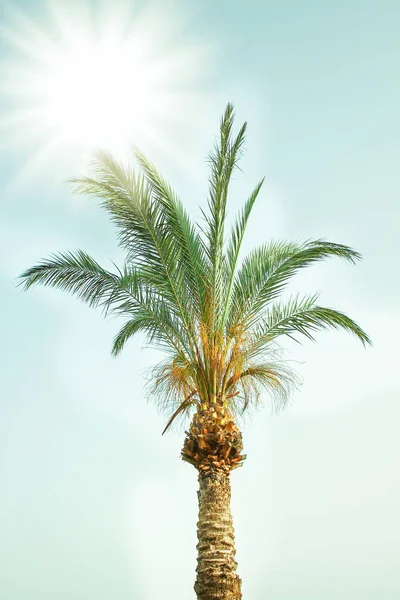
(223, 159)
(301, 316)
(74, 272)
(173, 380)
(158, 326)
(267, 270)
(150, 312)
(233, 250)
(143, 232)
(182, 407)
(272, 376)
(189, 246)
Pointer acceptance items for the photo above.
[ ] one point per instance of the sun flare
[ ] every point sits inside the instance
(93, 92)
(109, 80)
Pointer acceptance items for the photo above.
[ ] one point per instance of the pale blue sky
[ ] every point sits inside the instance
(94, 503)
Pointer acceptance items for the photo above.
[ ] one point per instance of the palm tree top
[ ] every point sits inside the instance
(216, 315)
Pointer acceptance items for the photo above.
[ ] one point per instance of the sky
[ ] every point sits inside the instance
(94, 503)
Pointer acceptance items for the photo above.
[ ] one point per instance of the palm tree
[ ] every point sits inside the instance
(216, 317)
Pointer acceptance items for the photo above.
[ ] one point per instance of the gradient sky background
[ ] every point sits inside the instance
(94, 503)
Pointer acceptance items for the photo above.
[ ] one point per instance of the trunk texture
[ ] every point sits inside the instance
(216, 565)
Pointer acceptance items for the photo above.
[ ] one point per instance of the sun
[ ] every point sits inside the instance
(99, 79)
(95, 92)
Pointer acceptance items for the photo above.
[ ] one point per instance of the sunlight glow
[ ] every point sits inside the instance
(109, 80)
(93, 92)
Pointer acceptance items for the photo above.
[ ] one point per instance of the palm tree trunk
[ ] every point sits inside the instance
(216, 565)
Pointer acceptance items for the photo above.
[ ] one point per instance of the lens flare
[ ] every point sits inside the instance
(108, 80)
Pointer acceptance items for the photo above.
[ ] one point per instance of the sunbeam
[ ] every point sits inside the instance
(109, 80)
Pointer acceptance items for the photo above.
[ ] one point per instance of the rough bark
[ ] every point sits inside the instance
(216, 566)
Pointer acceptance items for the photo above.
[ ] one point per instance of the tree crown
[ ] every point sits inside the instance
(217, 317)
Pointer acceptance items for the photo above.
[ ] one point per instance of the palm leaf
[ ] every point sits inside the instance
(301, 316)
(267, 270)
(223, 159)
(189, 246)
(182, 407)
(74, 272)
(271, 376)
(142, 227)
(233, 250)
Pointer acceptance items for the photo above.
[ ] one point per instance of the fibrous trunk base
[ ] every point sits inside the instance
(213, 442)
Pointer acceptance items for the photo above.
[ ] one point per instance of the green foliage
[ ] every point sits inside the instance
(218, 318)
